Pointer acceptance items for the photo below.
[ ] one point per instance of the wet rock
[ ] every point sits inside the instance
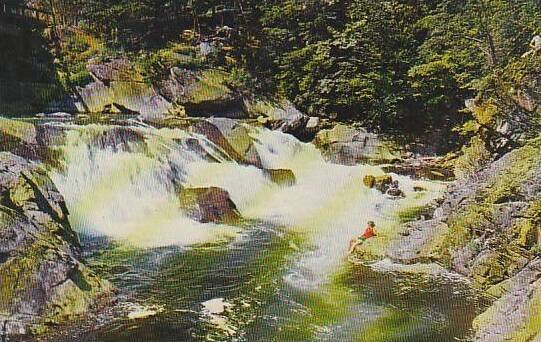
(41, 274)
(381, 183)
(395, 192)
(209, 205)
(59, 115)
(289, 119)
(281, 176)
(232, 137)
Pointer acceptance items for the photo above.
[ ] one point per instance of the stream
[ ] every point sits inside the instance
(279, 275)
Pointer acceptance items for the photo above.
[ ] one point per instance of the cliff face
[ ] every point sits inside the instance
(42, 277)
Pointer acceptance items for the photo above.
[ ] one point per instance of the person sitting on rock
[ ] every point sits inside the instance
(369, 232)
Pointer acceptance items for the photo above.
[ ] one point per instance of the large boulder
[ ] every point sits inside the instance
(288, 119)
(42, 278)
(515, 315)
(127, 97)
(118, 88)
(284, 117)
(232, 137)
(203, 94)
(208, 205)
(349, 146)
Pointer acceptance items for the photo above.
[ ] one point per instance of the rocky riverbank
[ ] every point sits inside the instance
(486, 228)
(43, 280)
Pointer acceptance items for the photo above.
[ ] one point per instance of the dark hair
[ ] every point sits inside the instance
(371, 223)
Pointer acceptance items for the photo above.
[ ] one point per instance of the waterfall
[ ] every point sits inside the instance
(126, 186)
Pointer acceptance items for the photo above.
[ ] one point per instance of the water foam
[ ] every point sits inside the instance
(130, 193)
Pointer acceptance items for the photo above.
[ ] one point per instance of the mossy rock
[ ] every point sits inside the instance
(281, 176)
(527, 232)
(369, 181)
(209, 205)
(381, 183)
(20, 130)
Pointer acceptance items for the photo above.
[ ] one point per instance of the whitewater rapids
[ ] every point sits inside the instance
(128, 191)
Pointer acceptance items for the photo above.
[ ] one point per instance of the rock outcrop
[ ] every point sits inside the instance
(516, 315)
(487, 227)
(117, 88)
(208, 205)
(42, 278)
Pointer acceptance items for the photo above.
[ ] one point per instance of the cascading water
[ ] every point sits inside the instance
(123, 182)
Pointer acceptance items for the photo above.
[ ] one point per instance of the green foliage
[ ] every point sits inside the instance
(473, 158)
(397, 63)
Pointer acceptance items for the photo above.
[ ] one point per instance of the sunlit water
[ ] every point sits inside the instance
(280, 275)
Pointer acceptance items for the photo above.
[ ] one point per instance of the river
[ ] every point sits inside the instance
(279, 275)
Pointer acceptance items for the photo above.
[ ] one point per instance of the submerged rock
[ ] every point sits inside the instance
(42, 278)
(209, 205)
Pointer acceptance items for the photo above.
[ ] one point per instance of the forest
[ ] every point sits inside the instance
(388, 64)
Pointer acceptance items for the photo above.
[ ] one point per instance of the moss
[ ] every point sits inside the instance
(532, 326)
(474, 156)
(520, 167)
(369, 181)
(526, 231)
(18, 129)
(392, 325)
(412, 213)
(211, 86)
(154, 66)
(462, 226)
(469, 220)
(76, 296)
(77, 49)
